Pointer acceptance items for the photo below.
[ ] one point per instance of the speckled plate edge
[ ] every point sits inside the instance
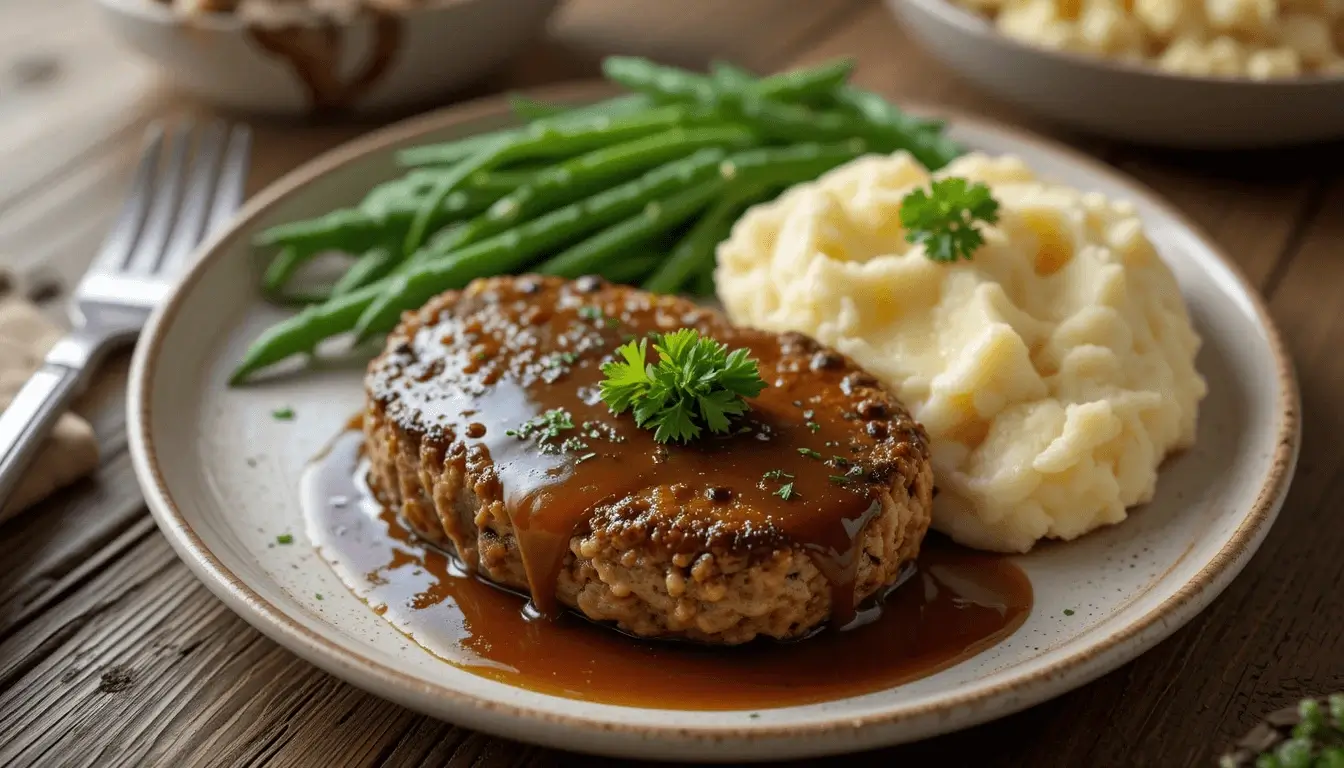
(958, 709)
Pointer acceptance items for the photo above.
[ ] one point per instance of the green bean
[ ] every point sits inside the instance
(592, 254)
(516, 248)
(731, 76)
(500, 181)
(282, 268)
(776, 119)
(384, 195)
(451, 152)
(542, 140)
(571, 180)
(788, 122)
(456, 151)
(489, 156)
(632, 267)
(301, 298)
(609, 204)
(302, 333)
(695, 252)
(879, 111)
(354, 230)
(420, 181)
(799, 85)
(660, 82)
(373, 265)
(803, 85)
(751, 172)
(627, 104)
(347, 229)
(768, 166)
(777, 166)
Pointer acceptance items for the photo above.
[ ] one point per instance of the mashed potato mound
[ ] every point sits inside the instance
(1054, 371)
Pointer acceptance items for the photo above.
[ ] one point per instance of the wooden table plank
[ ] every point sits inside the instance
(111, 653)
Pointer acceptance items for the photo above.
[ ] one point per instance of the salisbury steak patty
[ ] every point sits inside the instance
(484, 427)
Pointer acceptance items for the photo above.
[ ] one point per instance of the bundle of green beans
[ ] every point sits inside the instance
(640, 189)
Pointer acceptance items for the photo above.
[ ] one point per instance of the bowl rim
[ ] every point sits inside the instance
(984, 702)
(164, 14)
(972, 23)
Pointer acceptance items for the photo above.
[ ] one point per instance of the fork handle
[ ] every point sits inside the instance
(28, 420)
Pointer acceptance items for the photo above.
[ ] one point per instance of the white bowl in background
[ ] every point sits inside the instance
(373, 63)
(1127, 101)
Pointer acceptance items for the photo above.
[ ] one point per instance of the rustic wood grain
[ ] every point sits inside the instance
(111, 653)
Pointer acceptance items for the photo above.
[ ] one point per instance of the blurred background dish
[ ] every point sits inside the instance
(1254, 39)
(1123, 99)
(286, 58)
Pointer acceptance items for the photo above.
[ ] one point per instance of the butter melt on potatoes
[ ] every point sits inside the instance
(1054, 370)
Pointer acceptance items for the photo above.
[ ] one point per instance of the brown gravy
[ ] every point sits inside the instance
(509, 352)
(314, 54)
(957, 604)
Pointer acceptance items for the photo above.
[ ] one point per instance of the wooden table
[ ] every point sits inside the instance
(111, 653)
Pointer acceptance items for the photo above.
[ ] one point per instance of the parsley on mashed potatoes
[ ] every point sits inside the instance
(1054, 370)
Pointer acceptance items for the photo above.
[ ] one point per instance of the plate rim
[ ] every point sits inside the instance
(983, 703)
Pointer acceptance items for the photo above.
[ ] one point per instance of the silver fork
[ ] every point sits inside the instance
(161, 223)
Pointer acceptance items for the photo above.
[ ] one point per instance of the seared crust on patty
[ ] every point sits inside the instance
(676, 559)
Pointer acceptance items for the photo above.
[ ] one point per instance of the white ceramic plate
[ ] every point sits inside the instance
(221, 477)
(1127, 101)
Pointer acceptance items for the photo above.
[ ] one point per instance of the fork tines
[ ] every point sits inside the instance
(189, 181)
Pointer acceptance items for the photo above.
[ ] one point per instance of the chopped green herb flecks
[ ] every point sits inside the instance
(548, 425)
(318, 595)
(777, 474)
(285, 538)
(839, 479)
(283, 414)
(558, 359)
(1068, 611)
(814, 426)
(591, 313)
(786, 492)
(546, 428)
(809, 453)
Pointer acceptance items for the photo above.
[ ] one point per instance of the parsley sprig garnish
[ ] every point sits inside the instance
(944, 218)
(696, 384)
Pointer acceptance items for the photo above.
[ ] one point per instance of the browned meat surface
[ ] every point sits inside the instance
(698, 541)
